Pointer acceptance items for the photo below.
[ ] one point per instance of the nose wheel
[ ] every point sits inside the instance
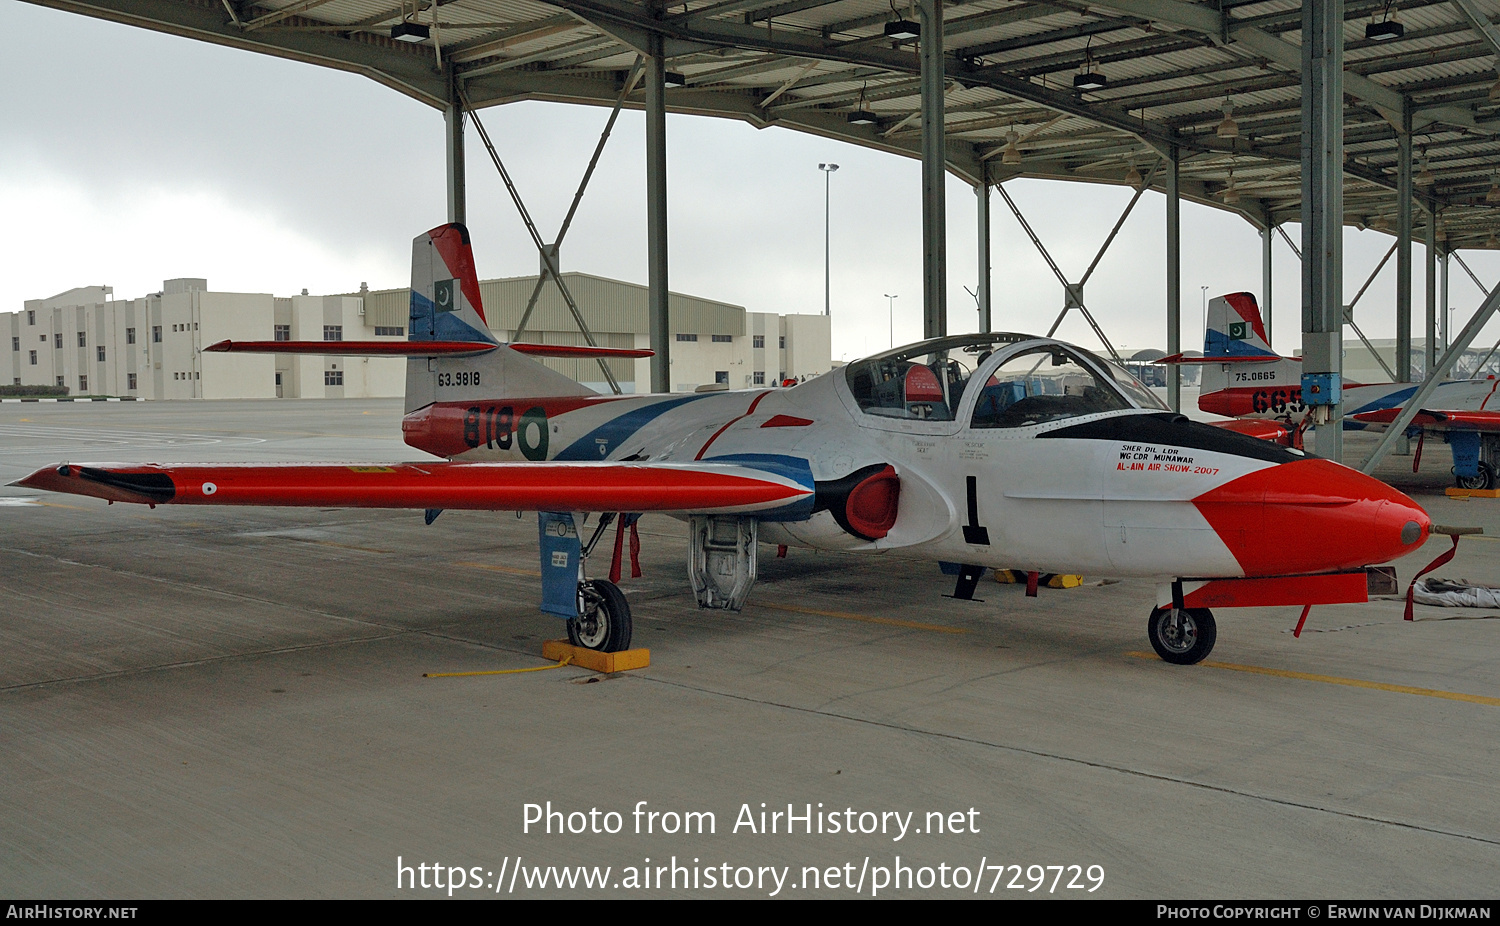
(1182, 636)
(603, 621)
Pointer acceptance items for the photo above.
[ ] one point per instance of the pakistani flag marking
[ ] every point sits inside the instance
(442, 295)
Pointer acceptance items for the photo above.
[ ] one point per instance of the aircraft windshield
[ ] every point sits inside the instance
(1138, 391)
(924, 383)
(1041, 385)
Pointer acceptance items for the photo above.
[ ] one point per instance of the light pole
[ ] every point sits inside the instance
(891, 307)
(1205, 313)
(827, 170)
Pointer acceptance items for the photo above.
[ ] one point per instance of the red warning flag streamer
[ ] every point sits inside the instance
(635, 550)
(1411, 589)
(614, 563)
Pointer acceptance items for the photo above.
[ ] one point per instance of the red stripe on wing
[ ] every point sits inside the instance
(476, 486)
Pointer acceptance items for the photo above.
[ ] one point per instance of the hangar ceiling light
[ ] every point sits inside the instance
(410, 32)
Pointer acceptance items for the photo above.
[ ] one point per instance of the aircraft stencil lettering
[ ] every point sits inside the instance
(1005, 451)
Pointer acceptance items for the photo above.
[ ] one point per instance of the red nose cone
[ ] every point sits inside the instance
(1312, 516)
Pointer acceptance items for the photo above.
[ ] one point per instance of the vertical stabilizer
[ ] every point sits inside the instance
(1235, 328)
(446, 306)
(445, 303)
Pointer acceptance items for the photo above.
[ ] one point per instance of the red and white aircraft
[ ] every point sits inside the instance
(993, 450)
(1244, 378)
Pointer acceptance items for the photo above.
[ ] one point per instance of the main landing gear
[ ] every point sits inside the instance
(603, 621)
(1182, 636)
(1484, 477)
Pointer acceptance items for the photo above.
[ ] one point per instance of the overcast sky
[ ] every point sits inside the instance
(128, 157)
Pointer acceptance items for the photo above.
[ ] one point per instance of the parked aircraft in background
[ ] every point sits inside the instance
(998, 450)
(1243, 378)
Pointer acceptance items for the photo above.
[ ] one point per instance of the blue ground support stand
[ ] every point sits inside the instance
(561, 554)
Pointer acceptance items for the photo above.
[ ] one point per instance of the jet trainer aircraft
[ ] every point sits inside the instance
(993, 450)
(1244, 378)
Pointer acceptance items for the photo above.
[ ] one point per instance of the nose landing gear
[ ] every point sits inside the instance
(1183, 636)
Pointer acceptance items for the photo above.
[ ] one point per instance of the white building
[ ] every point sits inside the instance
(152, 347)
(712, 342)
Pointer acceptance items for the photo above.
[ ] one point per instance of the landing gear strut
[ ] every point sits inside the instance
(602, 622)
(1182, 636)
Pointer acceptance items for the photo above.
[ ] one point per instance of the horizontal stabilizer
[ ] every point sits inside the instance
(1182, 359)
(355, 348)
(569, 350)
(718, 488)
(1435, 420)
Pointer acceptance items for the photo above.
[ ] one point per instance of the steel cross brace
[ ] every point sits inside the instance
(1077, 289)
(1480, 366)
(562, 232)
(1472, 276)
(1413, 405)
(1349, 313)
(549, 260)
(1289, 242)
(1349, 309)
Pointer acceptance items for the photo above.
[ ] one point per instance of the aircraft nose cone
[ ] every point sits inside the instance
(1312, 516)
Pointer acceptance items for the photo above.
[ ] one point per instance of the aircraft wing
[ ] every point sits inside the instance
(699, 487)
(1436, 420)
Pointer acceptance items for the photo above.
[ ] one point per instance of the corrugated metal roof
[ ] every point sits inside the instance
(809, 65)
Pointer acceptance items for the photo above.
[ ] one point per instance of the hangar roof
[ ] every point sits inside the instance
(1173, 69)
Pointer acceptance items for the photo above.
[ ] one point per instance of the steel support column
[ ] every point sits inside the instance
(1174, 275)
(1267, 233)
(1403, 247)
(1443, 300)
(658, 319)
(986, 318)
(934, 175)
(1429, 354)
(1323, 210)
(453, 133)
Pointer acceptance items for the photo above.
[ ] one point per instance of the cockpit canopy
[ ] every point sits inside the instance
(1016, 385)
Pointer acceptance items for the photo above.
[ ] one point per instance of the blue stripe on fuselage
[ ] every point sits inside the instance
(796, 469)
(611, 434)
(1389, 400)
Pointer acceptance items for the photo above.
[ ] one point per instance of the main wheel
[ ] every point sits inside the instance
(1183, 638)
(1483, 479)
(603, 623)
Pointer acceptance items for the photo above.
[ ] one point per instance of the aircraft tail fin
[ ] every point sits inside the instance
(445, 301)
(1235, 328)
(447, 311)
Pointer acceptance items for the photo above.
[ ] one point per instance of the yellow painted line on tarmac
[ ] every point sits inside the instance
(59, 505)
(1338, 680)
(512, 570)
(864, 618)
